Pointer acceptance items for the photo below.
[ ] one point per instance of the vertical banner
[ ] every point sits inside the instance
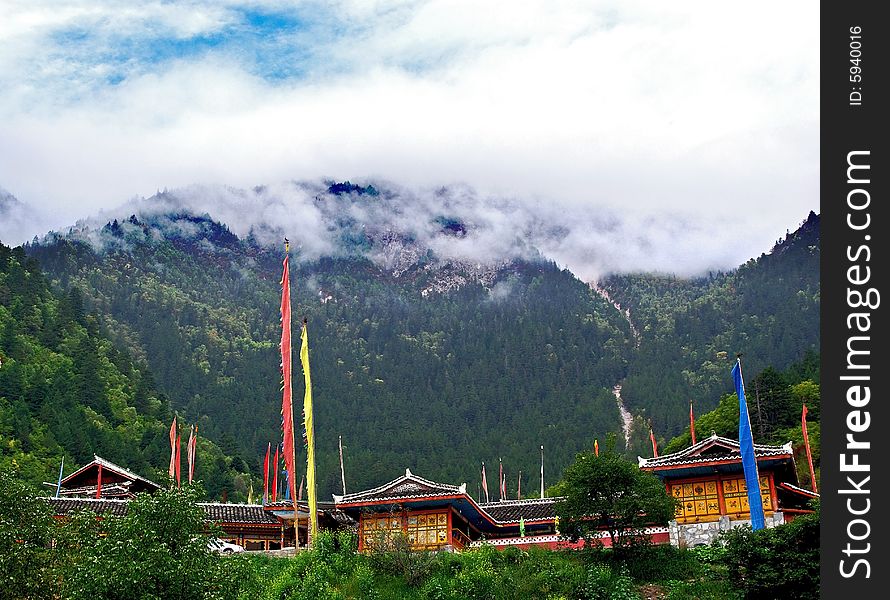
(746, 448)
(310, 435)
(172, 470)
(853, 183)
(287, 412)
(484, 483)
(275, 464)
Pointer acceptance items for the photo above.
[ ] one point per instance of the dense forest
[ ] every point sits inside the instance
(432, 365)
(436, 383)
(67, 391)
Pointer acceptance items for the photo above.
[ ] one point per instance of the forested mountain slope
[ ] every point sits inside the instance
(420, 360)
(494, 366)
(67, 391)
(691, 330)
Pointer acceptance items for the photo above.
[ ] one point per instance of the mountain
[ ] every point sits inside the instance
(426, 351)
(67, 391)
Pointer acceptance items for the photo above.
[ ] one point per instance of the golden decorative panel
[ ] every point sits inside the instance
(735, 495)
(698, 500)
(427, 531)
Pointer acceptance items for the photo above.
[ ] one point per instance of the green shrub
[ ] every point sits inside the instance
(397, 558)
(158, 550)
(26, 527)
(780, 562)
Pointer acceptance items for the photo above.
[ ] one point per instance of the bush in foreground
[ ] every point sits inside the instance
(780, 562)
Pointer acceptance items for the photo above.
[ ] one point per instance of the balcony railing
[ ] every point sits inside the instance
(459, 539)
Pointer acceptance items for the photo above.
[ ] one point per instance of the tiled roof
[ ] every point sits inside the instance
(214, 511)
(512, 510)
(66, 506)
(237, 513)
(407, 486)
(695, 453)
(798, 490)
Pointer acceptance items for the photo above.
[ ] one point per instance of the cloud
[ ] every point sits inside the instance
(398, 227)
(648, 111)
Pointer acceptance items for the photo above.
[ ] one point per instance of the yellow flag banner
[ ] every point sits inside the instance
(310, 436)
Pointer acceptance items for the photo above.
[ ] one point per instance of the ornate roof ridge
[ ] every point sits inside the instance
(734, 446)
(408, 476)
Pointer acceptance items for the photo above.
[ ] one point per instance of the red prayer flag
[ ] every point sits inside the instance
(596, 447)
(484, 483)
(266, 474)
(287, 414)
(275, 477)
(806, 442)
(691, 424)
(194, 455)
(190, 453)
(654, 445)
(178, 459)
(172, 470)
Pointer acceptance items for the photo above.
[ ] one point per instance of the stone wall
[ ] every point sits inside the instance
(691, 535)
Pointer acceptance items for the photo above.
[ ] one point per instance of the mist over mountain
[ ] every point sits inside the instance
(15, 217)
(395, 227)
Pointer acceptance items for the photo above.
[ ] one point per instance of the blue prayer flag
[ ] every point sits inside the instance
(746, 447)
(59, 485)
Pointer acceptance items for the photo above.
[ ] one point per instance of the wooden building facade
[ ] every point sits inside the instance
(709, 481)
(437, 516)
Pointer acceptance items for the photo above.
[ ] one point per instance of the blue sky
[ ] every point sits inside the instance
(692, 108)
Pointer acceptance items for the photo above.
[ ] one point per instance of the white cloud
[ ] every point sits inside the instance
(694, 108)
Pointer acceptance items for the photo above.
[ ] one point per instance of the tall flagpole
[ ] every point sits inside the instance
(342, 471)
(542, 472)
(59, 485)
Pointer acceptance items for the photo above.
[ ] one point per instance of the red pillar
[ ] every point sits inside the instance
(99, 483)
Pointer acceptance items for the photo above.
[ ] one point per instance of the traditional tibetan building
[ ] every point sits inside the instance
(709, 481)
(438, 516)
(103, 487)
(102, 478)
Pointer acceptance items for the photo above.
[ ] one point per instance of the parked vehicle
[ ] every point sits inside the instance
(223, 547)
